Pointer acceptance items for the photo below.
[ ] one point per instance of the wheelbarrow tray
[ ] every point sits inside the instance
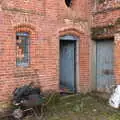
(34, 100)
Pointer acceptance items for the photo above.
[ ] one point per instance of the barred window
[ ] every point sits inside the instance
(22, 49)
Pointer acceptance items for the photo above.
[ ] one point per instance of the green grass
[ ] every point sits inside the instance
(81, 107)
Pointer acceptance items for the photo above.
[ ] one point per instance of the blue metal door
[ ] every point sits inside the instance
(67, 64)
(105, 76)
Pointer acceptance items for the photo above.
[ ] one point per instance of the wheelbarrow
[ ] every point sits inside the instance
(29, 100)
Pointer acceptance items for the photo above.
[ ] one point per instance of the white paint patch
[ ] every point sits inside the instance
(117, 36)
(83, 26)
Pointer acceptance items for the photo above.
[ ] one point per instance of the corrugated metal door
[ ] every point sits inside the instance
(67, 64)
(105, 76)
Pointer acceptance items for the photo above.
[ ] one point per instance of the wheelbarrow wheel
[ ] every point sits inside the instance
(18, 114)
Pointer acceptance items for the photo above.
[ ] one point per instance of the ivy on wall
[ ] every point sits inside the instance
(100, 1)
(117, 21)
(103, 5)
(102, 31)
(106, 31)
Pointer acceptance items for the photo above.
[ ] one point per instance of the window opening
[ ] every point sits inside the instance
(22, 49)
(68, 2)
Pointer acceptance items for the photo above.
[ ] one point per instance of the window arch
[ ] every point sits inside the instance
(69, 37)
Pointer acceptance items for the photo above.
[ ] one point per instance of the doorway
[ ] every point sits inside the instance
(68, 63)
(104, 65)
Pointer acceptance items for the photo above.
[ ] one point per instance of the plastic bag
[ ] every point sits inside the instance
(114, 100)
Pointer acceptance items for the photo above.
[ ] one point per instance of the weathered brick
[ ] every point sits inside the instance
(45, 20)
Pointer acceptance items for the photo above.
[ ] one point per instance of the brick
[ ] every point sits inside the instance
(46, 21)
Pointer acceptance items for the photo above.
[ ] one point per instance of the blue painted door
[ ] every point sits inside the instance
(105, 76)
(67, 64)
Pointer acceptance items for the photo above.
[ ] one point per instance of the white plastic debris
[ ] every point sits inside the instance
(114, 100)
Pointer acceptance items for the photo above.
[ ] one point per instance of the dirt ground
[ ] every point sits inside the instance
(81, 107)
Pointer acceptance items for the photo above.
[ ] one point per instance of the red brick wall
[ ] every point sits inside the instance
(106, 17)
(45, 20)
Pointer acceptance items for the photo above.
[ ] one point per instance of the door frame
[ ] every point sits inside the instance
(76, 60)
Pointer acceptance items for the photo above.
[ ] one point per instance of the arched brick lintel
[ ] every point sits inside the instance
(25, 28)
(70, 31)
